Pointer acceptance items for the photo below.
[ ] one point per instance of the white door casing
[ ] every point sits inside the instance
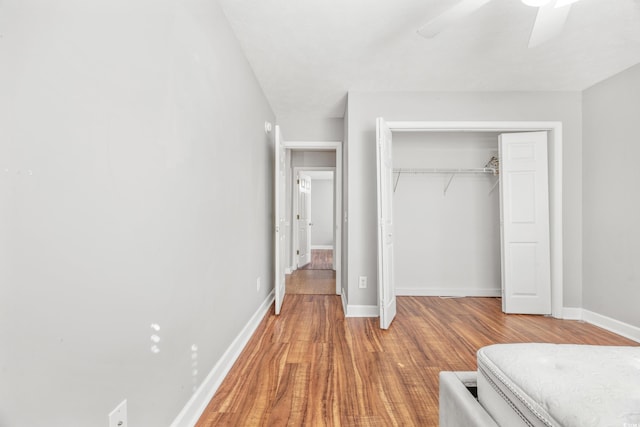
(304, 219)
(524, 223)
(386, 287)
(279, 206)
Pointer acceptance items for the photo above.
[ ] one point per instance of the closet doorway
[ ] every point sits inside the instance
(441, 199)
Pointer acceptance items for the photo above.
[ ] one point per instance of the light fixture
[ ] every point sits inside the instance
(536, 3)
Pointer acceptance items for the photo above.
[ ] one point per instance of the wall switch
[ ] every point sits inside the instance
(362, 282)
(118, 417)
(258, 280)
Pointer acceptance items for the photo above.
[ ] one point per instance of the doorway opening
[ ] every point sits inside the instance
(314, 237)
(520, 255)
(295, 226)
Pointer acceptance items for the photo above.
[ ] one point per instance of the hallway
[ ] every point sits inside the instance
(316, 278)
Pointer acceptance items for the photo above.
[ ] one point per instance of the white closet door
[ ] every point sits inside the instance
(524, 212)
(279, 204)
(386, 287)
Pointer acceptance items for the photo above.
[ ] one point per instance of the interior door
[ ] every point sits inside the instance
(280, 229)
(524, 219)
(386, 288)
(304, 219)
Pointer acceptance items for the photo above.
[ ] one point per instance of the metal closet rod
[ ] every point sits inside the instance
(445, 170)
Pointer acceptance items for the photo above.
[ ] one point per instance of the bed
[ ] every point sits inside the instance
(545, 385)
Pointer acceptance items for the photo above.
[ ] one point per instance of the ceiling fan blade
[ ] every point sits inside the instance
(549, 23)
(450, 16)
(562, 3)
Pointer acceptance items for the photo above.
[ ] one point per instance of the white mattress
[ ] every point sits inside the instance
(560, 385)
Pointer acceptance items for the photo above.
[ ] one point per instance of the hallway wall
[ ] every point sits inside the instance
(121, 123)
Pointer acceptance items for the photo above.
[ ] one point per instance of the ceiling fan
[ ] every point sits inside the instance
(550, 19)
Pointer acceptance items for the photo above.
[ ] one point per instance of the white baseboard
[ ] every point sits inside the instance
(613, 325)
(288, 270)
(447, 292)
(571, 313)
(194, 408)
(325, 247)
(362, 311)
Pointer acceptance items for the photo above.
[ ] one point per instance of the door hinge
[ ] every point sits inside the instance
(298, 252)
(298, 216)
(298, 182)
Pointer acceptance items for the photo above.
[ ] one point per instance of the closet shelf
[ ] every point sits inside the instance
(451, 171)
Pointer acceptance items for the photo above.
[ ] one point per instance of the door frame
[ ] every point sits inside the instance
(294, 203)
(554, 129)
(337, 177)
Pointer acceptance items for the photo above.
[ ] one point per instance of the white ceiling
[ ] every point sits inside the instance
(307, 54)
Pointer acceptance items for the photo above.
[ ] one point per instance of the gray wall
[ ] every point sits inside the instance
(313, 159)
(363, 108)
(121, 126)
(611, 199)
(305, 128)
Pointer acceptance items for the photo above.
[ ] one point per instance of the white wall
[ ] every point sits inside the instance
(322, 212)
(122, 124)
(611, 199)
(446, 244)
(363, 108)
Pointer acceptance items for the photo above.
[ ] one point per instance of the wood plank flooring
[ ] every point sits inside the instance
(311, 282)
(321, 259)
(311, 366)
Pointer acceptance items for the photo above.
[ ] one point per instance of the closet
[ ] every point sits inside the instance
(455, 221)
(446, 209)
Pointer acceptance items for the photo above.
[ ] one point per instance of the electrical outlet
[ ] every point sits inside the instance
(362, 282)
(258, 280)
(118, 417)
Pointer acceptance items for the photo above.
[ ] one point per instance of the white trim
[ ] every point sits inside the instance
(612, 325)
(323, 247)
(572, 313)
(471, 126)
(314, 145)
(362, 311)
(448, 292)
(289, 270)
(194, 408)
(555, 181)
(337, 147)
(344, 302)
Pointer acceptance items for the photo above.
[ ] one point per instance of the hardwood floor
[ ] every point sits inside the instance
(311, 282)
(321, 259)
(311, 366)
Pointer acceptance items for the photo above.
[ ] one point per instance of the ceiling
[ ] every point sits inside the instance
(307, 54)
